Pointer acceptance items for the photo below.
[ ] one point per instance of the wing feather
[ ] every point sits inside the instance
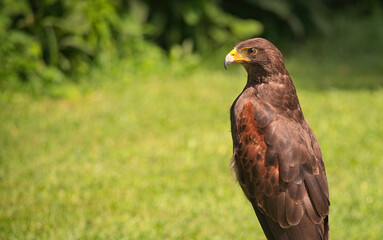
(278, 166)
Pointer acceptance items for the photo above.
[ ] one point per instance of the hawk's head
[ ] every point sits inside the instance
(256, 55)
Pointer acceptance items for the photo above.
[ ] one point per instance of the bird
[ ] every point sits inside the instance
(276, 156)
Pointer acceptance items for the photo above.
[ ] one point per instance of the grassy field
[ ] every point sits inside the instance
(148, 157)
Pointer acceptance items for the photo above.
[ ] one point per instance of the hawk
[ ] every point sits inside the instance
(276, 156)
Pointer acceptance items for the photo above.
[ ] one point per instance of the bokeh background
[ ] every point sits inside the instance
(114, 115)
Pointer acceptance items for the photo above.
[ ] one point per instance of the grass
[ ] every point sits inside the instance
(149, 159)
(147, 156)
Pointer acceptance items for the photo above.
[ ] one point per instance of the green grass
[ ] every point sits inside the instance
(148, 158)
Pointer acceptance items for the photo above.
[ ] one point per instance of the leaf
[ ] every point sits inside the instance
(246, 28)
(76, 42)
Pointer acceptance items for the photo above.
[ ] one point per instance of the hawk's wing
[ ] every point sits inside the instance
(279, 166)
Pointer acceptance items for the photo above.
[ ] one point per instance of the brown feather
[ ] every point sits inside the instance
(276, 156)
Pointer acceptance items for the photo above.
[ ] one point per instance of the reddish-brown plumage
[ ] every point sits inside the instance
(276, 156)
(251, 151)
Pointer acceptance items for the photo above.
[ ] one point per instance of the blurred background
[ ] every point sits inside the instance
(45, 43)
(114, 114)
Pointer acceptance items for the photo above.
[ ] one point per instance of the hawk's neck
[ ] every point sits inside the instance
(278, 91)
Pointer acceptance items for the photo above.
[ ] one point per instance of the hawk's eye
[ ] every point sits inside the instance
(251, 50)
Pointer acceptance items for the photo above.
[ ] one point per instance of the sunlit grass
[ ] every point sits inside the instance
(148, 158)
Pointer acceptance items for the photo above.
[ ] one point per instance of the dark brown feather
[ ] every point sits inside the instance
(276, 156)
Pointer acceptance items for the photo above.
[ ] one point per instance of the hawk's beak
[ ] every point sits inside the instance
(234, 57)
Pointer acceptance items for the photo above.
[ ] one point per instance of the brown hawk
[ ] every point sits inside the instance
(276, 156)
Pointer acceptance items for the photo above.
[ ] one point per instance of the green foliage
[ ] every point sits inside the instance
(44, 42)
(201, 24)
(283, 19)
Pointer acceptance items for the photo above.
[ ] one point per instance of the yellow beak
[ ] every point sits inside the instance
(234, 57)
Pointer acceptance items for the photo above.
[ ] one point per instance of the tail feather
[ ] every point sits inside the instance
(305, 230)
